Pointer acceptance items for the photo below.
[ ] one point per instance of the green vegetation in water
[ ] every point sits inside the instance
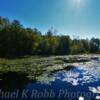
(37, 66)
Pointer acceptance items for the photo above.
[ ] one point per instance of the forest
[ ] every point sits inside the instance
(16, 41)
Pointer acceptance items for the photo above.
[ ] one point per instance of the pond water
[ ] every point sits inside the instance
(78, 83)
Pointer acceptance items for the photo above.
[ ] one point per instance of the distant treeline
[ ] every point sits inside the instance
(16, 40)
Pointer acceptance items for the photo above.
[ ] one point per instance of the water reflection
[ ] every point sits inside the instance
(11, 81)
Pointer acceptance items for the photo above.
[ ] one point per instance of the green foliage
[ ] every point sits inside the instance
(95, 45)
(64, 45)
(15, 40)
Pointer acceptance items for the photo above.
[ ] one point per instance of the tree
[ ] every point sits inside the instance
(64, 45)
(95, 45)
(16, 40)
(4, 22)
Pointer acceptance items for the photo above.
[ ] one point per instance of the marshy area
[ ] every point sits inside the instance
(35, 66)
(73, 72)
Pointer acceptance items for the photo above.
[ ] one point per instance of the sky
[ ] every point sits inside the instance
(69, 17)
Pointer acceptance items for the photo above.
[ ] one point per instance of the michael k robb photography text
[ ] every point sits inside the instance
(44, 94)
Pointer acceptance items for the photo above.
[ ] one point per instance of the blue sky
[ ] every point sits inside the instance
(71, 17)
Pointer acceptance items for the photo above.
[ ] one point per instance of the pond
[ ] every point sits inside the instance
(81, 82)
